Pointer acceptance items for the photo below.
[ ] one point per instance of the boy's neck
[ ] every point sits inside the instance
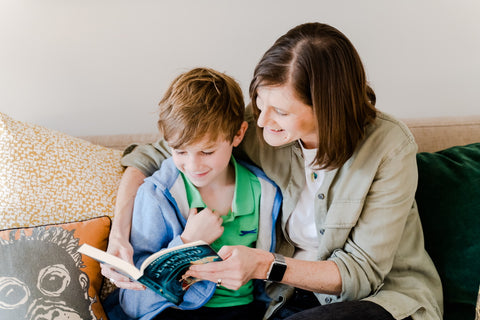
(218, 196)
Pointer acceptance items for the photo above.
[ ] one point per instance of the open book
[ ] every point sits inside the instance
(162, 271)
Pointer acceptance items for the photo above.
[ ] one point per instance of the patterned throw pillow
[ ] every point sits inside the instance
(50, 177)
(42, 276)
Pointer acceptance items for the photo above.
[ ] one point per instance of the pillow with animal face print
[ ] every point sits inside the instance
(42, 276)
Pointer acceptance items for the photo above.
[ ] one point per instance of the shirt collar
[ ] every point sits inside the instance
(243, 197)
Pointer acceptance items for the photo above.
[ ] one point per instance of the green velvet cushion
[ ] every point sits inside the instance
(448, 198)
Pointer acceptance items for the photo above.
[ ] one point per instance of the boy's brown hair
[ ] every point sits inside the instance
(201, 103)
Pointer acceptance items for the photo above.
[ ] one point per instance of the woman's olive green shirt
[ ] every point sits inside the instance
(366, 217)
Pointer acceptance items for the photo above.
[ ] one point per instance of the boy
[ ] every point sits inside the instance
(201, 193)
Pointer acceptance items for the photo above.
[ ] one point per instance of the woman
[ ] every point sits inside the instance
(350, 243)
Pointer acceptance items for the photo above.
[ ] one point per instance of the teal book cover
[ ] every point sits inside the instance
(163, 271)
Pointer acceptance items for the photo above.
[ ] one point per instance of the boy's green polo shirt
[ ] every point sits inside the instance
(240, 228)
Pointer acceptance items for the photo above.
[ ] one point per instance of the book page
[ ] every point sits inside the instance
(118, 264)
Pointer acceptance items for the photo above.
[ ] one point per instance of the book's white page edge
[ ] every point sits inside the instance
(118, 264)
(159, 253)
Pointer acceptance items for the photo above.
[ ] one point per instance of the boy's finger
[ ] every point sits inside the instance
(194, 211)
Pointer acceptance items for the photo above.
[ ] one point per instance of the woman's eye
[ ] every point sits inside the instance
(280, 112)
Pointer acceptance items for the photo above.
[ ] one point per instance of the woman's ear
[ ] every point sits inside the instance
(240, 134)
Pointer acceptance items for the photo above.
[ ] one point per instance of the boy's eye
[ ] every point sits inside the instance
(179, 152)
(207, 152)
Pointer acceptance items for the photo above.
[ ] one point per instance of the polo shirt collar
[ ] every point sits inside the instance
(243, 197)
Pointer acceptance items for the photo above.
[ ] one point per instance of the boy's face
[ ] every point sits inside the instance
(205, 162)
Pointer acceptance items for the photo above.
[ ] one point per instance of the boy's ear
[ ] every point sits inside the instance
(240, 134)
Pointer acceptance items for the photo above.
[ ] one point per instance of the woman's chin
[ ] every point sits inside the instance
(275, 139)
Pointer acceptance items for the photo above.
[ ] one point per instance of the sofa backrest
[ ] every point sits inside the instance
(121, 141)
(434, 134)
(431, 134)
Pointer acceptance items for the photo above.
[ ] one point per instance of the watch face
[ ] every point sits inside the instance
(277, 271)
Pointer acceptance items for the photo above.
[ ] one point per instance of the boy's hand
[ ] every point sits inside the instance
(123, 250)
(203, 225)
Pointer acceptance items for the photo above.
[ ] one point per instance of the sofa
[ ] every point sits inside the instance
(58, 191)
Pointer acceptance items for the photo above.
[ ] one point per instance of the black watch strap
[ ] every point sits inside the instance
(277, 268)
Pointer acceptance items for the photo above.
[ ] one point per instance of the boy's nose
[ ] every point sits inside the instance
(193, 164)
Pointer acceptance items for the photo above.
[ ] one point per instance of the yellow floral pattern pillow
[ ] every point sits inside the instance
(50, 177)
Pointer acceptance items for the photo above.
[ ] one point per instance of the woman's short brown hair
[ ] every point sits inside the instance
(325, 72)
(201, 103)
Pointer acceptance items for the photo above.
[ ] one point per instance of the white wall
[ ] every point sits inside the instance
(101, 66)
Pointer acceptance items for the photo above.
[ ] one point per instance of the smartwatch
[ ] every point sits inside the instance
(277, 268)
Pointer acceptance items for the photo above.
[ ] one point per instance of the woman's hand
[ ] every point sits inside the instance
(240, 264)
(122, 249)
(203, 225)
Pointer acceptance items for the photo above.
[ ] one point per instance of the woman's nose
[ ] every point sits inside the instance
(262, 118)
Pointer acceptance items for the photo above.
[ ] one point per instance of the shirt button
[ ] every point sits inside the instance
(322, 231)
(321, 196)
(328, 299)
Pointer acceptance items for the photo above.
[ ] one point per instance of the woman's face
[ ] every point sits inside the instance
(284, 118)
